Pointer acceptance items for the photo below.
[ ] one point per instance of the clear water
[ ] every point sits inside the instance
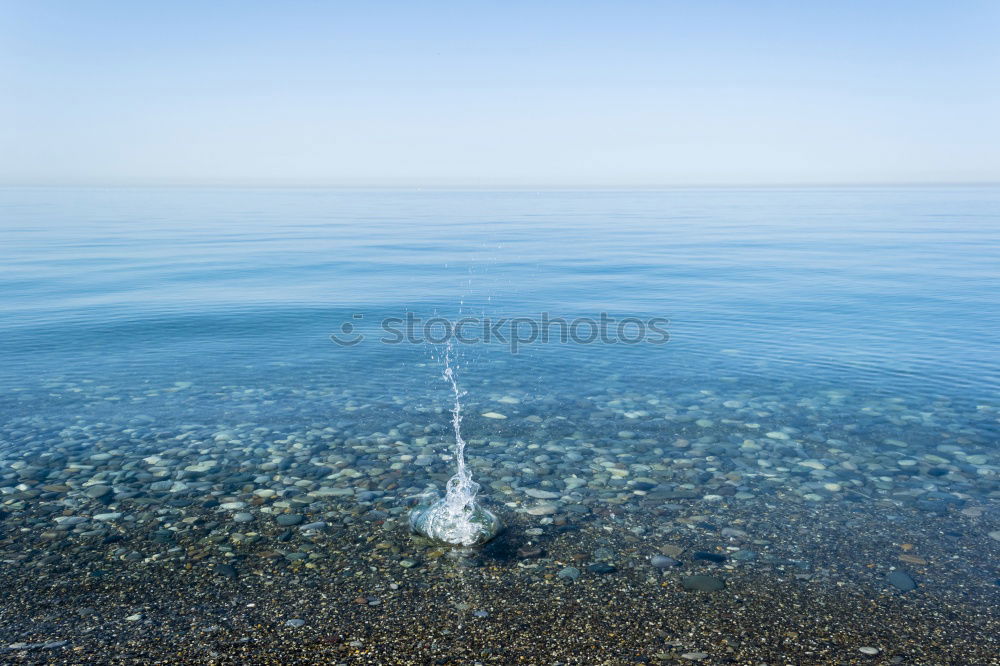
(826, 410)
(879, 294)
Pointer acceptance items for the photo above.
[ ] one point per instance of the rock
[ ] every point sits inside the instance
(226, 570)
(528, 552)
(869, 650)
(709, 557)
(289, 519)
(901, 580)
(295, 622)
(702, 583)
(407, 563)
(242, 517)
(541, 494)
(671, 550)
(777, 435)
(569, 573)
(600, 568)
(494, 415)
(995, 535)
(96, 492)
(543, 510)
(694, 656)
(318, 526)
(663, 561)
(107, 517)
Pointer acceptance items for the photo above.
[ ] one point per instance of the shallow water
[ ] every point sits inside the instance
(832, 352)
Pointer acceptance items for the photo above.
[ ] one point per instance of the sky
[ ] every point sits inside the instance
(499, 94)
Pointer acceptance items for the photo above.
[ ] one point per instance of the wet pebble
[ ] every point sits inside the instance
(901, 580)
(702, 583)
(663, 562)
(569, 573)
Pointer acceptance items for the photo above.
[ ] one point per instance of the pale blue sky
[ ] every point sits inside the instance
(498, 94)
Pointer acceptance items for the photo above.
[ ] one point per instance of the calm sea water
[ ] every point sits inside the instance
(879, 292)
(185, 451)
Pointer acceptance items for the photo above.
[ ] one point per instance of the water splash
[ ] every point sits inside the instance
(456, 518)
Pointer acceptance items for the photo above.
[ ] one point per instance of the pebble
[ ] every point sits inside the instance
(494, 415)
(226, 570)
(663, 561)
(543, 510)
(702, 583)
(295, 622)
(541, 494)
(600, 568)
(289, 519)
(694, 656)
(107, 517)
(901, 580)
(242, 517)
(709, 557)
(97, 492)
(569, 573)
(869, 650)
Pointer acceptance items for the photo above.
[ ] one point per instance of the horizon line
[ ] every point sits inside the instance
(497, 186)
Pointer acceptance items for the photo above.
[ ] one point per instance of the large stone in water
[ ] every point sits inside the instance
(436, 522)
(901, 581)
(703, 583)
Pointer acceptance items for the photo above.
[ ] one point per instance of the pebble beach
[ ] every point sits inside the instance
(196, 469)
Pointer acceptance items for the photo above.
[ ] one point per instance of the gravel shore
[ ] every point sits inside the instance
(694, 528)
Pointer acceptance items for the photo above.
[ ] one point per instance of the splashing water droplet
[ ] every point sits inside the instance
(456, 518)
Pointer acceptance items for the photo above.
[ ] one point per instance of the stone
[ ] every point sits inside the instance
(242, 517)
(226, 570)
(663, 561)
(96, 492)
(709, 557)
(600, 568)
(702, 583)
(869, 650)
(569, 573)
(295, 623)
(901, 580)
(289, 519)
(541, 494)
